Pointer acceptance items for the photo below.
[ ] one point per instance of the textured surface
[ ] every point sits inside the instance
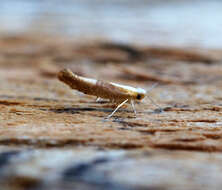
(52, 137)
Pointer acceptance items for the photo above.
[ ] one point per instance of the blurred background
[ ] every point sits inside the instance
(195, 23)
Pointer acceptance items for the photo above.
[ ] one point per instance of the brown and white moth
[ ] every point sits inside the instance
(108, 90)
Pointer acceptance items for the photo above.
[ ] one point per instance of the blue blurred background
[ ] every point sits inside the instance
(196, 23)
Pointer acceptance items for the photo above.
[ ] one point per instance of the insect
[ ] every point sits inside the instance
(108, 90)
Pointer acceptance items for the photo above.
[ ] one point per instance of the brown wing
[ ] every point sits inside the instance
(110, 91)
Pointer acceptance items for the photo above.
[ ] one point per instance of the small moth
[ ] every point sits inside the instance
(108, 90)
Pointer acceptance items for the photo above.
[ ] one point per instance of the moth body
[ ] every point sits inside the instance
(108, 90)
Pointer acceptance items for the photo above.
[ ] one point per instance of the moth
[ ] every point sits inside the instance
(117, 93)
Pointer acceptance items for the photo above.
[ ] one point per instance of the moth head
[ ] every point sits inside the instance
(141, 93)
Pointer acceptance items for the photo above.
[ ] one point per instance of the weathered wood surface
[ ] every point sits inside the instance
(52, 137)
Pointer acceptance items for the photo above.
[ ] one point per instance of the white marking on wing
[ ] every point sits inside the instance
(130, 88)
(89, 80)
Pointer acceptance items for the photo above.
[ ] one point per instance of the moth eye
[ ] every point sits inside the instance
(138, 96)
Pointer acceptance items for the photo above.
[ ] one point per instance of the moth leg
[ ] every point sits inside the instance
(117, 108)
(133, 106)
(98, 99)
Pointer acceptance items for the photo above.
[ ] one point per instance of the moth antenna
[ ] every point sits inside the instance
(152, 87)
(153, 102)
